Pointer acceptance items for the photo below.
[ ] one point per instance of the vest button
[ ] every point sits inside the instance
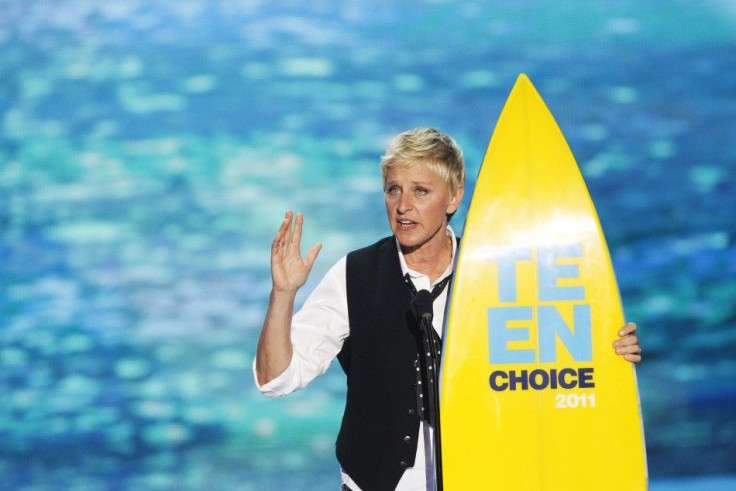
(403, 465)
(407, 439)
(412, 412)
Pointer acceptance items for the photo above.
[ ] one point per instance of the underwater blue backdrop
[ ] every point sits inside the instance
(148, 151)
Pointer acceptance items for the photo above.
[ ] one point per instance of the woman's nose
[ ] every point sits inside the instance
(404, 204)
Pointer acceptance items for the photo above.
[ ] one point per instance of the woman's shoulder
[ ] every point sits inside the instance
(381, 246)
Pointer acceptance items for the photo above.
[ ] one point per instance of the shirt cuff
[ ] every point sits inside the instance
(284, 384)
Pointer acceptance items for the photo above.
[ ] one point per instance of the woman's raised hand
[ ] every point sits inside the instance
(288, 270)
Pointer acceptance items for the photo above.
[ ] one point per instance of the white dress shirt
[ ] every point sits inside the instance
(318, 331)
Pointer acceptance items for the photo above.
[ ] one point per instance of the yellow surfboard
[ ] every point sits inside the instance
(533, 395)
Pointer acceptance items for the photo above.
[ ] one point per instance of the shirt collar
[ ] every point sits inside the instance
(415, 274)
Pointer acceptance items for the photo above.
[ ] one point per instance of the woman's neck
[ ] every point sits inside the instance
(432, 257)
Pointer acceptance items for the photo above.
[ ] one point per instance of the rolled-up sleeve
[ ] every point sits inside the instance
(318, 331)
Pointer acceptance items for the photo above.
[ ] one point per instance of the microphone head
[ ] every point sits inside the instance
(421, 304)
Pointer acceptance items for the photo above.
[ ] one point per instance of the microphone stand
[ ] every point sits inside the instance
(433, 392)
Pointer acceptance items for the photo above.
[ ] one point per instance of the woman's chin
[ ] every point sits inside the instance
(408, 244)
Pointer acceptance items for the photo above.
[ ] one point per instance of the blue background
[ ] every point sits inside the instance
(148, 151)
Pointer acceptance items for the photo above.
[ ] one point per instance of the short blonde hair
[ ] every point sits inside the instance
(439, 151)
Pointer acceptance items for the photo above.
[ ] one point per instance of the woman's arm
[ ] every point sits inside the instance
(288, 273)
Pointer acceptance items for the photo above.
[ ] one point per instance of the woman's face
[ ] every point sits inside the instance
(417, 204)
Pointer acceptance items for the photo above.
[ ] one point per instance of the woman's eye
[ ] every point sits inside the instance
(421, 191)
(393, 191)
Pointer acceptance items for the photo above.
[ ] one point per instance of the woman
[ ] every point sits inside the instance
(359, 313)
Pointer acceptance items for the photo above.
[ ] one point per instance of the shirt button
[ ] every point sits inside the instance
(403, 465)
(407, 439)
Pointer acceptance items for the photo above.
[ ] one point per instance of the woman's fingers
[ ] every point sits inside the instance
(312, 255)
(291, 236)
(282, 236)
(628, 344)
(629, 328)
(289, 270)
(296, 236)
(632, 358)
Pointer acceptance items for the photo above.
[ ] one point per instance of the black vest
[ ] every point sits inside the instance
(378, 436)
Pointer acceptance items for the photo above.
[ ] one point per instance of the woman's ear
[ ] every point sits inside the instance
(455, 200)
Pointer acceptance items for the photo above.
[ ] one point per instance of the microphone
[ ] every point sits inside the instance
(421, 306)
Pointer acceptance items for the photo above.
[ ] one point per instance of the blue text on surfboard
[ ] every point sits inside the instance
(552, 264)
(539, 379)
